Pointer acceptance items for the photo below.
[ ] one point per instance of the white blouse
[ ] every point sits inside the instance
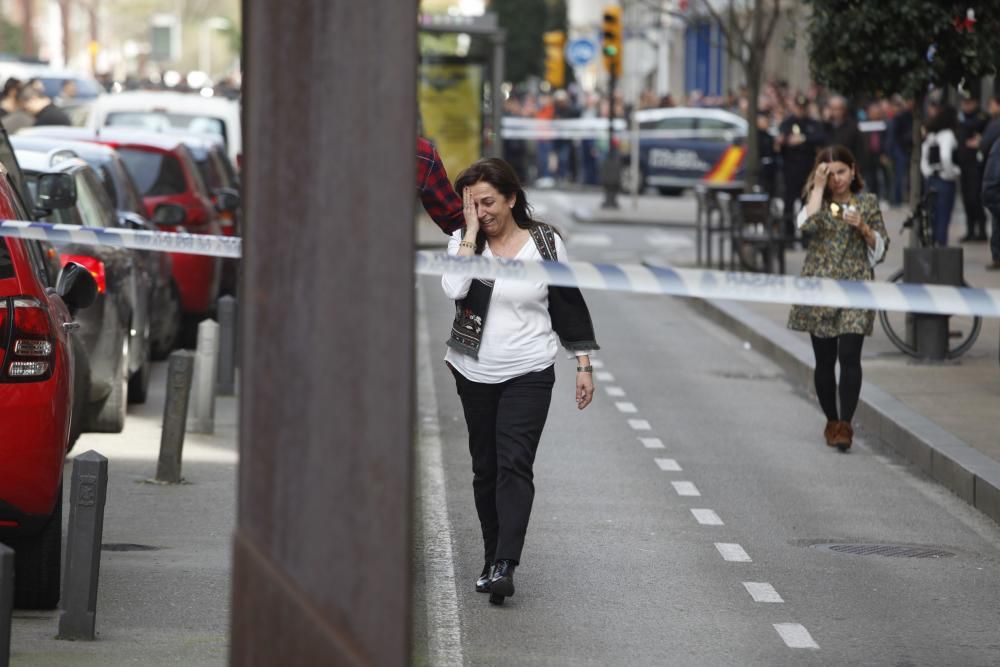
(517, 336)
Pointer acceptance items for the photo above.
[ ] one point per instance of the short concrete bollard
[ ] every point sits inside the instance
(227, 346)
(6, 601)
(89, 490)
(179, 373)
(201, 418)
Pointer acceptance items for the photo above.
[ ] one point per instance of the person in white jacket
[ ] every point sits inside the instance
(937, 164)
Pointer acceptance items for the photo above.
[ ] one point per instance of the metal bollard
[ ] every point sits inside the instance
(202, 411)
(175, 407)
(6, 601)
(81, 571)
(227, 346)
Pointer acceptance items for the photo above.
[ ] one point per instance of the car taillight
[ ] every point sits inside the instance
(227, 219)
(30, 344)
(92, 264)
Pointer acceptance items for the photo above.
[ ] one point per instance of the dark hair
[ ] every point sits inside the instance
(502, 177)
(835, 153)
(13, 83)
(946, 119)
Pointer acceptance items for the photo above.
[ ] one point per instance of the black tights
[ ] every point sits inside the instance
(846, 347)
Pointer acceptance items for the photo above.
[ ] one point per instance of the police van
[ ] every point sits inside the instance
(679, 147)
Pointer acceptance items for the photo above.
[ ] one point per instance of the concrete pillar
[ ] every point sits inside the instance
(321, 550)
(81, 571)
(206, 360)
(226, 383)
(179, 374)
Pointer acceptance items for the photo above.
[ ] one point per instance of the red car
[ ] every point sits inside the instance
(38, 383)
(165, 172)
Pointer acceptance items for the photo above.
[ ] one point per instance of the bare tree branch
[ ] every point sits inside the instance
(727, 34)
(772, 23)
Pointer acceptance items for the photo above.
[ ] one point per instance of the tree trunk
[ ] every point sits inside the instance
(28, 47)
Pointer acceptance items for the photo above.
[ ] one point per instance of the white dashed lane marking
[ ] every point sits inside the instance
(795, 635)
(686, 489)
(707, 517)
(668, 465)
(624, 406)
(762, 592)
(652, 443)
(615, 391)
(733, 553)
(639, 425)
(604, 376)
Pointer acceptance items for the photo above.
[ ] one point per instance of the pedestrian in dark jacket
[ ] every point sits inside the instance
(991, 200)
(799, 137)
(41, 106)
(899, 140)
(841, 128)
(971, 124)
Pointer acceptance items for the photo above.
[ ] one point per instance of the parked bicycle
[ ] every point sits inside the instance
(963, 330)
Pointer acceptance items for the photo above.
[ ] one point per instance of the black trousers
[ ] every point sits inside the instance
(505, 423)
(971, 180)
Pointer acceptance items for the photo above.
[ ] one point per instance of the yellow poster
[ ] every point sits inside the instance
(451, 107)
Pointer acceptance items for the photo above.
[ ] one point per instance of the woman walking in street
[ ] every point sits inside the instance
(848, 240)
(938, 167)
(502, 349)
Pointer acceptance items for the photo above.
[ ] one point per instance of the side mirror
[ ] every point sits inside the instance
(76, 286)
(172, 215)
(56, 191)
(227, 199)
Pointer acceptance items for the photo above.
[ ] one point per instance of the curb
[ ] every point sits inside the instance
(885, 421)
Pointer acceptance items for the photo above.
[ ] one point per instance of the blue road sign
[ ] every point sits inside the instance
(580, 51)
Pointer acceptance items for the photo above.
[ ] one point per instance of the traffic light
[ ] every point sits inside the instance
(611, 47)
(555, 59)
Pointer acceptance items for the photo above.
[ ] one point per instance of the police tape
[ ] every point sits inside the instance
(708, 284)
(180, 242)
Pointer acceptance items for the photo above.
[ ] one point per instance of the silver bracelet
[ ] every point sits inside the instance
(584, 369)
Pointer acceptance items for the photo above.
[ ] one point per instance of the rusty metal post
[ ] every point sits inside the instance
(326, 398)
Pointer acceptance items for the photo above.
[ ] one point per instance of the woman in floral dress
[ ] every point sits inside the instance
(848, 240)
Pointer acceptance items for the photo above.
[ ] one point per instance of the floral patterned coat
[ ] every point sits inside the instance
(838, 251)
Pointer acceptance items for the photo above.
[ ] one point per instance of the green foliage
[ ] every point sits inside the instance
(861, 46)
(11, 38)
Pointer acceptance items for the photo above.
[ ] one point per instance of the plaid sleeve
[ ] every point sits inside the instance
(436, 192)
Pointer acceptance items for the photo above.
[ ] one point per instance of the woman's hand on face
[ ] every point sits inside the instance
(821, 176)
(584, 389)
(469, 209)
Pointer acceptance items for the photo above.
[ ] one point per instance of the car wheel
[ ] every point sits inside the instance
(166, 338)
(37, 564)
(111, 416)
(138, 384)
(81, 386)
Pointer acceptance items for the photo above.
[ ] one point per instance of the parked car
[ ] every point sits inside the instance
(679, 147)
(159, 110)
(39, 384)
(115, 330)
(164, 299)
(165, 172)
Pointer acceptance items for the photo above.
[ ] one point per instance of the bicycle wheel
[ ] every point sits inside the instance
(956, 325)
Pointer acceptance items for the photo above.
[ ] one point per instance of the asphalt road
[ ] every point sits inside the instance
(689, 516)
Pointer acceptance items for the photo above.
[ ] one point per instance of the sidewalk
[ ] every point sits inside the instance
(163, 598)
(942, 417)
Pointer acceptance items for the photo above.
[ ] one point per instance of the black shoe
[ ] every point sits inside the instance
(967, 238)
(483, 582)
(502, 583)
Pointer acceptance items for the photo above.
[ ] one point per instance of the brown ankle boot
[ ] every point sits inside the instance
(843, 436)
(830, 432)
